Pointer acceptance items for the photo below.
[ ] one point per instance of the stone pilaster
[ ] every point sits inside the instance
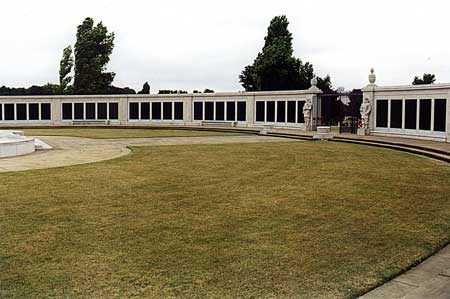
(316, 104)
(123, 111)
(56, 111)
(369, 93)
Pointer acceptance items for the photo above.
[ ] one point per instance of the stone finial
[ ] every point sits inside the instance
(372, 77)
(314, 82)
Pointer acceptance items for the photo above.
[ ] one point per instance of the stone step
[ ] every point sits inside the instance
(399, 142)
(41, 145)
(402, 147)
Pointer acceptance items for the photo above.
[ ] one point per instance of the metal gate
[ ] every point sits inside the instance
(341, 109)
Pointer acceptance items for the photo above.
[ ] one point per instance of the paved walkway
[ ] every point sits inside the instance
(73, 150)
(429, 280)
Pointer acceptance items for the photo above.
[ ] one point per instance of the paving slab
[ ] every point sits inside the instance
(426, 270)
(437, 288)
(391, 290)
(446, 271)
(445, 251)
(428, 280)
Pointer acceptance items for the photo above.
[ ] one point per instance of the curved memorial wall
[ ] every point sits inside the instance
(242, 109)
(421, 112)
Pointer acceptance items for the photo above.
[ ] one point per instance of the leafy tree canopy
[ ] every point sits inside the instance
(48, 89)
(167, 91)
(207, 90)
(53, 89)
(119, 90)
(426, 79)
(93, 48)
(65, 68)
(275, 67)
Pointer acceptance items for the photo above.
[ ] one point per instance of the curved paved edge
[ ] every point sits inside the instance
(69, 151)
(430, 280)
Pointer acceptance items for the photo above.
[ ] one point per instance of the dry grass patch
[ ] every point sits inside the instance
(302, 220)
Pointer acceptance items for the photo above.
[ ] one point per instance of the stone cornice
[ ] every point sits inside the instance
(171, 96)
(375, 88)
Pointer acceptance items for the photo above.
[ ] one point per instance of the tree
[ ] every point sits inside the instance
(93, 48)
(65, 68)
(119, 90)
(275, 67)
(324, 84)
(168, 91)
(426, 79)
(48, 89)
(145, 89)
(207, 90)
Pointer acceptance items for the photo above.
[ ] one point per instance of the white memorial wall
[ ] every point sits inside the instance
(279, 109)
(412, 111)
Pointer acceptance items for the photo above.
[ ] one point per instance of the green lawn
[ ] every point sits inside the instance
(279, 220)
(120, 133)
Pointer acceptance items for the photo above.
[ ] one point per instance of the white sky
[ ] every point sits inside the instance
(197, 44)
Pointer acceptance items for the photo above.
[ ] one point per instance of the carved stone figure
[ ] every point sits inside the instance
(307, 108)
(366, 110)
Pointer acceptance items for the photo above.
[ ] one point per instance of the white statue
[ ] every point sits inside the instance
(365, 110)
(307, 108)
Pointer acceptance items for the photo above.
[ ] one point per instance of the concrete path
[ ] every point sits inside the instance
(429, 280)
(73, 150)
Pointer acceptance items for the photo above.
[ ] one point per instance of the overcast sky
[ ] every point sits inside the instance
(197, 44)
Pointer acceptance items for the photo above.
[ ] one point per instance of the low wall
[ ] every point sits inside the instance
(421, 112)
